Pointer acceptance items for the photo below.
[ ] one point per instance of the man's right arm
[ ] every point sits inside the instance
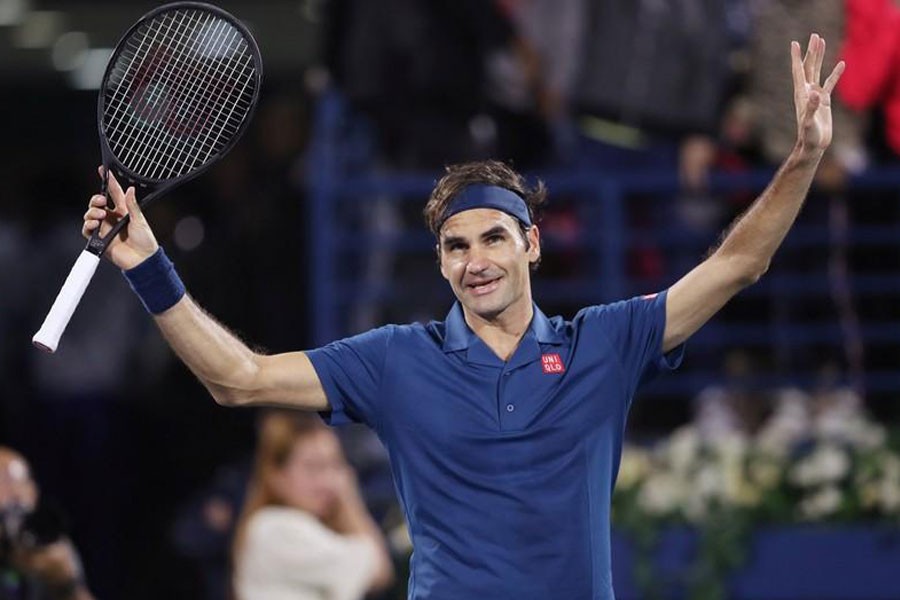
(234, 374)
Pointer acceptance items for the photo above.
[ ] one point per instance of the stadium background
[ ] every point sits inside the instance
(310, 230)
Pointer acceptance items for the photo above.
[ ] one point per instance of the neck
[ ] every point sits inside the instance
(502, 332)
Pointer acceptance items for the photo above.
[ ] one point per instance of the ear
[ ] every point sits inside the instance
(437, 250)
(534, 244)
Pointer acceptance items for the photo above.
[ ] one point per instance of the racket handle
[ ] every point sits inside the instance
(47, 337)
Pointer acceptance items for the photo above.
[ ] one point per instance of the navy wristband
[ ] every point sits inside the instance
(156, 283)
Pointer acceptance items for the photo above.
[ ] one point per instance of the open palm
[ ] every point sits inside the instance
(812, 101)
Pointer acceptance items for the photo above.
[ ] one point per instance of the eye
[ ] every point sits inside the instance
(456, 246)
(495, 239)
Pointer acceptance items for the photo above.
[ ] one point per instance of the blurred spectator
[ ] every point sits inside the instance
(872, 51)
(419, 71)
(653, 82)
(530, 81)
(305, 532)
(37, 560)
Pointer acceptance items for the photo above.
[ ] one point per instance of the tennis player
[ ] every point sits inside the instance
(504, 427)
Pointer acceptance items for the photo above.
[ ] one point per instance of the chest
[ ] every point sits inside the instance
(448, 398)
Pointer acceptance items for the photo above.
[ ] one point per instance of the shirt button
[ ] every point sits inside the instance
(510, 407)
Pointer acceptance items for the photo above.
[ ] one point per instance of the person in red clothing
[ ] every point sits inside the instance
(872, 47)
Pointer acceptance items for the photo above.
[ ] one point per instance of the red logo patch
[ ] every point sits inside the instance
(552, 364)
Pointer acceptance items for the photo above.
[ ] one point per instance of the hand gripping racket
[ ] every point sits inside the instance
(178, 92)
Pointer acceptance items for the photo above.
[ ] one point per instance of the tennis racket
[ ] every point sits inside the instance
(178, 92)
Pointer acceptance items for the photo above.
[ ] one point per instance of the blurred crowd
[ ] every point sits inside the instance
(147, 466)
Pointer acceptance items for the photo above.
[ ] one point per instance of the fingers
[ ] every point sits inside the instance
(94, 215)
(797, 68)
(835, 76)
(812, 60)
(818, 57)
(114, 189)
(98, 215)
(134, 209)
(809, 59)
(809, 69)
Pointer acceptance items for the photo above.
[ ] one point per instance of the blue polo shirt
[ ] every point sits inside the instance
(505, 469)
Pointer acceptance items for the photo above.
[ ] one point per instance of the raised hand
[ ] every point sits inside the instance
(136, 241)
(812, 101)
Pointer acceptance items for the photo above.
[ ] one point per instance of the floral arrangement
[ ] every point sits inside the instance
(838, 466)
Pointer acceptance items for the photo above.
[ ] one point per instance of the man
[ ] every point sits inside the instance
(30, 570)
(504, 427)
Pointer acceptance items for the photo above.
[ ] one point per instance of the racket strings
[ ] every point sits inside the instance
(127, 144)
(194, 113)
(178, 93)
(187, 102)
(133, 97)
(178, 85)
(179, 67)
(128, 97)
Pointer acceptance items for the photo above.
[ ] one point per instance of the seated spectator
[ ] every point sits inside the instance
(37, 561)
(305, 532)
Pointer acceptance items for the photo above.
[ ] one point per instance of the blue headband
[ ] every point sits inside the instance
(488, 196)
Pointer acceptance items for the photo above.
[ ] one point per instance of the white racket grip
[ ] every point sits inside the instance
(47, 337)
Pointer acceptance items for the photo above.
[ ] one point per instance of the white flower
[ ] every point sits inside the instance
(889, 485)
(823, 503)
(889, 496)
(696, 508)
(399, 538)
(853, 429)
(789, 423)
(709, 482)
(765, 471)
(827, 464)
(730, 449)
(682, 449)
(661, 494)
(634, 466)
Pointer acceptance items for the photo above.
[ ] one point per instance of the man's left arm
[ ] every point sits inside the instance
(744, 254)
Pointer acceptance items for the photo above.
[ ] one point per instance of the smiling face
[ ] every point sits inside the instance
(486, 260)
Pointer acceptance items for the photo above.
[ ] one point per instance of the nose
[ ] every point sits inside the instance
(478, 262)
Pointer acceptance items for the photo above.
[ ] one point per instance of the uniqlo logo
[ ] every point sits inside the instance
(552, 364)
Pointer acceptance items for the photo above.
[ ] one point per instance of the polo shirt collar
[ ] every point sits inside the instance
(458, 336)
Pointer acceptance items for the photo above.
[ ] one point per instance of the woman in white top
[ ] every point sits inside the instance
(305, 533)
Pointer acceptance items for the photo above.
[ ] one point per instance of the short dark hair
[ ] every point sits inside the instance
(484, 172)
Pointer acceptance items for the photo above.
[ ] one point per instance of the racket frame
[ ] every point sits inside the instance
(154, 188)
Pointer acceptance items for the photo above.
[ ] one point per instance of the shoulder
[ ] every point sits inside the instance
(274, 519)
(622, 309)
(387, 335)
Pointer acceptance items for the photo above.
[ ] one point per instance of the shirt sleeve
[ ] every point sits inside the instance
(289, 549)
(350, 371)
(635, 329)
